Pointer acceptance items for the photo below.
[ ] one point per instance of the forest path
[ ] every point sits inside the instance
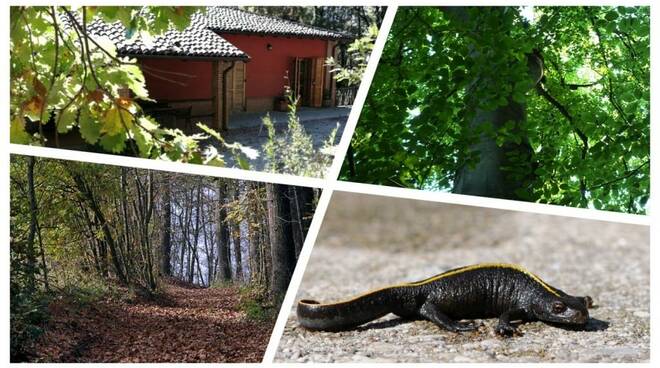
(185, 324)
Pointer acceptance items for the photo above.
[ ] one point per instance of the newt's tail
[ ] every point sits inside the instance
(344, 315)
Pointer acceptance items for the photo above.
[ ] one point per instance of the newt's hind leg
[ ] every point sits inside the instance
(433, 314)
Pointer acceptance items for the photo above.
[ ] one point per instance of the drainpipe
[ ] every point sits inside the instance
(334, 49)
(224, 122)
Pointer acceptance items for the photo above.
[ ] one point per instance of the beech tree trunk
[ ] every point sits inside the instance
(492, 175)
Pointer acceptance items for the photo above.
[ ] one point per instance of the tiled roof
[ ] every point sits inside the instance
(233, 20)
(201, 38)
(194, 41)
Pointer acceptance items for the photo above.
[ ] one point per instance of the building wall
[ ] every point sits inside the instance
(194, 89)
(266, 69)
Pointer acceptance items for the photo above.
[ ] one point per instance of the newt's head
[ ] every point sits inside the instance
(562, 309)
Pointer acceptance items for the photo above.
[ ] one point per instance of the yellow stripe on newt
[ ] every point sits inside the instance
(455, 272)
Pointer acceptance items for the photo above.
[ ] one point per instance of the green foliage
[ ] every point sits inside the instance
(440, 65)
(28, 314)
(219, 284)
(292, 151)
(358, 53)
(351, 19)
(254, 302)
(89, 289)
(59, 73)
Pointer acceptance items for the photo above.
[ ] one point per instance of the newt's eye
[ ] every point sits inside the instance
(558, 307)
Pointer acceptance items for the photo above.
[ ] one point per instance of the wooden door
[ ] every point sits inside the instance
(318, 66)
(296, 77)
(236, 87)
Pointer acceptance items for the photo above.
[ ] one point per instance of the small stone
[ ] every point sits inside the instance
(641, 314)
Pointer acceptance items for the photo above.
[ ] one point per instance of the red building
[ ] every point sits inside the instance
(229, 60)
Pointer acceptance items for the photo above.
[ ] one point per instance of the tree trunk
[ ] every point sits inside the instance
(224, 267)
(166, 232)
(253, 231)
(30, 253)
(282, 247)
(307, 199)
(236, 236)
(182, 256)
(88, 195)
(296, 206)
(492, 176)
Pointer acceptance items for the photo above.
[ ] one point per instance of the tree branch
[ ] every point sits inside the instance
(562, 109)
(625, 176)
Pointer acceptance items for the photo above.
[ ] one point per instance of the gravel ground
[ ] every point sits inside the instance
(371, 241)
(256, 137)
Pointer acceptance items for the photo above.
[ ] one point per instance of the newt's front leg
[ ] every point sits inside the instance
(431, 312)
(504, 326)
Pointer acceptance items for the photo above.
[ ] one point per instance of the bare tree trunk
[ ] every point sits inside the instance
(182, 244)
(264, 257)
(224, 267)
(282, 247)
(254, 238)
(99, 244)
(126, 253)
(236, 236)
(146, 201)
(308, 201)
(30, 253)
(87, 194)
(206, 237)
(42, 254)
(166, 232)
(296, 218)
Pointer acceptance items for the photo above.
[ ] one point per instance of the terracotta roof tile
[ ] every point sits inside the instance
(234, 20)
(194, 41)
(201, 38)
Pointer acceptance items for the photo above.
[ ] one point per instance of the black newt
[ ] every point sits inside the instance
(490, 290)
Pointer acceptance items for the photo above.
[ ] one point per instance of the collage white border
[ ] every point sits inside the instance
(330, 183)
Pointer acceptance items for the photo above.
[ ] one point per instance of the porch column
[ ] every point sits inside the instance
(224, 109)
(221, 70)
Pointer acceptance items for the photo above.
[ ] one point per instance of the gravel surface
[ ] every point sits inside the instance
(256, 137)
(370, 241)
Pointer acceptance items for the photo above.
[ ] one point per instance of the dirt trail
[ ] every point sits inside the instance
(185, 324)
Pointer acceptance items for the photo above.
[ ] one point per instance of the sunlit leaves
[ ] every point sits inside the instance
(17, 132)
(90, 128)
(359, 51)
(61, 76)
(440, 65)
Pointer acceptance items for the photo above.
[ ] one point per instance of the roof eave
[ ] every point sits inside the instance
(286, 35)
(188, 57)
